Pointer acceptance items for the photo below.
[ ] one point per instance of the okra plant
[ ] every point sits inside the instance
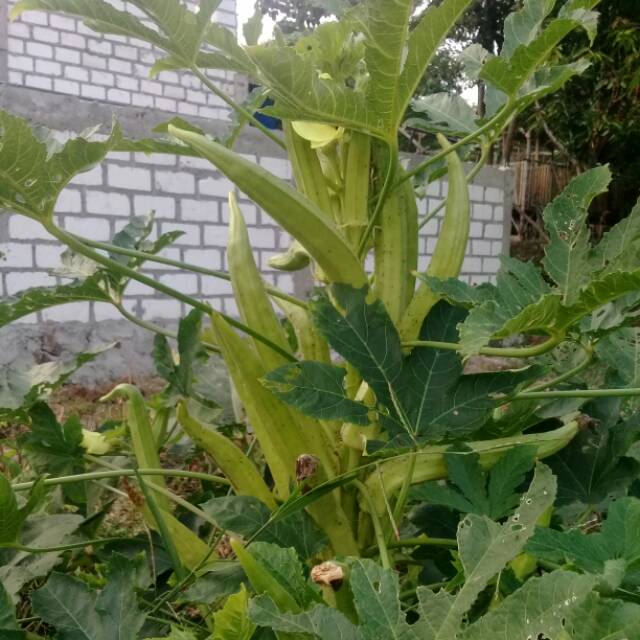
(360, 413)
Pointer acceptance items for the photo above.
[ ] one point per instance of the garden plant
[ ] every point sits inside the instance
(375, 487)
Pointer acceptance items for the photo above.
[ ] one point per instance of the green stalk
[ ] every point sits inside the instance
(238, 108)
(423, 541)
(377, 525)
(355, 204)
(567, 375)
(187, 266)
(504, 352)
(64, 547)
(79, 247)
(122, 473)
(578, 393)
(403, 494)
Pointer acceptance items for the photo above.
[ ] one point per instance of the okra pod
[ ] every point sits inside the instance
(355, 205)
(249, 290)
(297, 214)
(450, 249)
(241, 472)
(431, 465)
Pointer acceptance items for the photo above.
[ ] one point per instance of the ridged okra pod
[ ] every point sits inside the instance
(355, 204)
(431, 465)
(296, 213)
(249, 291)
(243, 475)
(451, 247)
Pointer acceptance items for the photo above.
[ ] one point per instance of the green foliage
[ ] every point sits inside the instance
(492, 494)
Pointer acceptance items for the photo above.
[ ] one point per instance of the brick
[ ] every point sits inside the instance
(46, 35)
(216, 235)
(21, 280)
(190, 162)
(175, 182)
(69, 201)
(15, 77)
(89, 91)
(91, 177)
(39, 50)
(493, 231)
(167, 308)
(431, 228)
(491, 194)
(123, 51)
(93, 62)
(62, 22)
(106, 311)
(183, 282)
(15, 255)
(94, 228)
(24, 63)
(48, 256)
(208, 258)
(215, 187)
(100, 46)
(74, 40)
(103, 78)
(230, 307)
(66, 86)
(125, 82)
(141, 100)
(191, 233)
(15, 45)
(163, 207)
(48, 68)
(476, 192)
(187, 109)
(433, 189)
(199, 210)
(278, 166)
(481, 211)
(215, 287)
(490, 265)
(196, 96)
(34, 17)
(171, 91)
(109, 203)
(169, 76)
(76, 73)
(38, 82)
(498, 214)
(74, 311)
(119, 96)
(472, 265)
(249, 213)
(20, 30)
(120, 66)
(496, 248)
(67, 55)
(166, 104)
(163, 159)
(481, 248)
(475, 230)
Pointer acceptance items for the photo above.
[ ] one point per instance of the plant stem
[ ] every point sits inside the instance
(504, 114)
(484, 154)
(223, 275)
(589, 352)
(64, 547)
(424, 541)
(377, 526)
(403, 494)
(79, 247)
(154, 328)
(117, 473)
(237, 107)
(578, 393)
(520, 352)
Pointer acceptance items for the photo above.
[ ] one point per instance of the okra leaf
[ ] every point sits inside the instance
(248, 517)
(486, 547)
(620, 350)
(617, 540)
(12, 517)
(35, 168)
(232, 622)
(445, 112)
(522, 26)
(597, 618)
(21, 388)
(567, 256)
(319, 622)
(472, 490)
(362, 333)
(9, 628)
(595, 466)
(316, 389)
(81, 613)
(538, 609)
(17, 568)
(221, 579)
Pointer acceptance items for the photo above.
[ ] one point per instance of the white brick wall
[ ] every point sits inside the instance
(58, 53)
(189, 195)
